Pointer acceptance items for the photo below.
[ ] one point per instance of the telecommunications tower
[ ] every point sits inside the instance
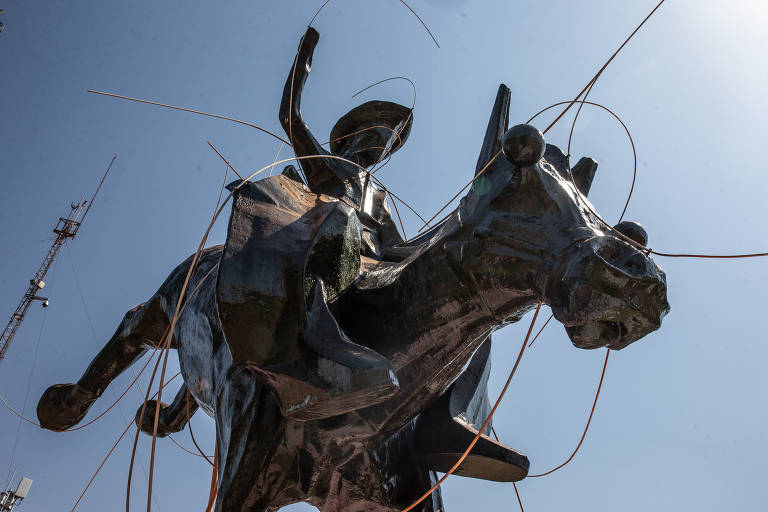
(66, 228)
(10, 499)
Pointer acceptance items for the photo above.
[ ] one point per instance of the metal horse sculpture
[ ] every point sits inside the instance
(344, 366)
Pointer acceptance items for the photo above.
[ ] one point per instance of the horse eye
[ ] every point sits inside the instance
(523, 144)
(633, 230)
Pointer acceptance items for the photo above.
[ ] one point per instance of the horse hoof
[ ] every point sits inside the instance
(63, 406)
(147, 423)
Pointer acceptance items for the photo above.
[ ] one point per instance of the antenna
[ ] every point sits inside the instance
(9, 499)
(114, 157)
(66, 228)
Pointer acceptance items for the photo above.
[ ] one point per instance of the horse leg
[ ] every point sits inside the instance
(173, 418)
(64, 405)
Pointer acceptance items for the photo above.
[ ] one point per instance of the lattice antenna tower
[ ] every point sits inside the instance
(66, 228)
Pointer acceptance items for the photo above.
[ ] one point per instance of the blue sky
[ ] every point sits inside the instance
(682, 423)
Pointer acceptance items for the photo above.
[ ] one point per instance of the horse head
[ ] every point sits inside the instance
(527, 205)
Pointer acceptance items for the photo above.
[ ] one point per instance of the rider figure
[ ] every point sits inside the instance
(364, 135)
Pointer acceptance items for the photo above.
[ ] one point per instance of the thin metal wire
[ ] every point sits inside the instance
(517, 493)
(109, 454)
(277, 155)
(600, 71)
(487, 419)
(228, 165)
(514, 484)
(214, 478)
(422, 22)
(589, 420)
(626, 130)
(192, 434)
(551, 316)
(191, 111)
(485, 167)
(570, 104)
(401, 1)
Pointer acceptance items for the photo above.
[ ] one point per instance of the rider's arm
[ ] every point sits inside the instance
(304, 143)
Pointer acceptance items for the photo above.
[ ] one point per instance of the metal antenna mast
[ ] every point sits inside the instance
(66, 228)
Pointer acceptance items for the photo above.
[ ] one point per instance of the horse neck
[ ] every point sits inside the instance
(430, 312)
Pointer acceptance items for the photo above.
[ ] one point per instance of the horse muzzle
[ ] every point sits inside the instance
(607, 293)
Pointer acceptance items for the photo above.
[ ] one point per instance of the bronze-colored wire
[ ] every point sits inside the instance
(184, 448)
(224, 185)
(109, 454)
(141, 422)
(214, 479)
(167, 344)
(17, 413)
(626, 130)
(709, 256)
(387, 80)
(277, 155)
(460, 191)
(401, 1)
(191, 111)
(517, 493)
(382, 164)
(589, 420)
(514, 484)
(487, 419)
(551, 316)
(600, 71)
(227, 162)
(422, 22)
(397, 212)
(192, 434)
(318, 12)
(570, 104)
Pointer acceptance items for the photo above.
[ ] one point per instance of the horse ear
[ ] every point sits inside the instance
(583, 174)
(497, 126)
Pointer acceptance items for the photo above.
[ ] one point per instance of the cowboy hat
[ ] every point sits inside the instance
(370, 114)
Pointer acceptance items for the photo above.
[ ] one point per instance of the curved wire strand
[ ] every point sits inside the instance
(487, 419)
(586, 428)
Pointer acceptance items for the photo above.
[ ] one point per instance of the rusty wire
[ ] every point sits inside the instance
(109, 454)
(626, 130)
(214, 478)
(191, 111)
(401, 1)
(487, 419)
(589, 85)
(192, 435)
(589, 420)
